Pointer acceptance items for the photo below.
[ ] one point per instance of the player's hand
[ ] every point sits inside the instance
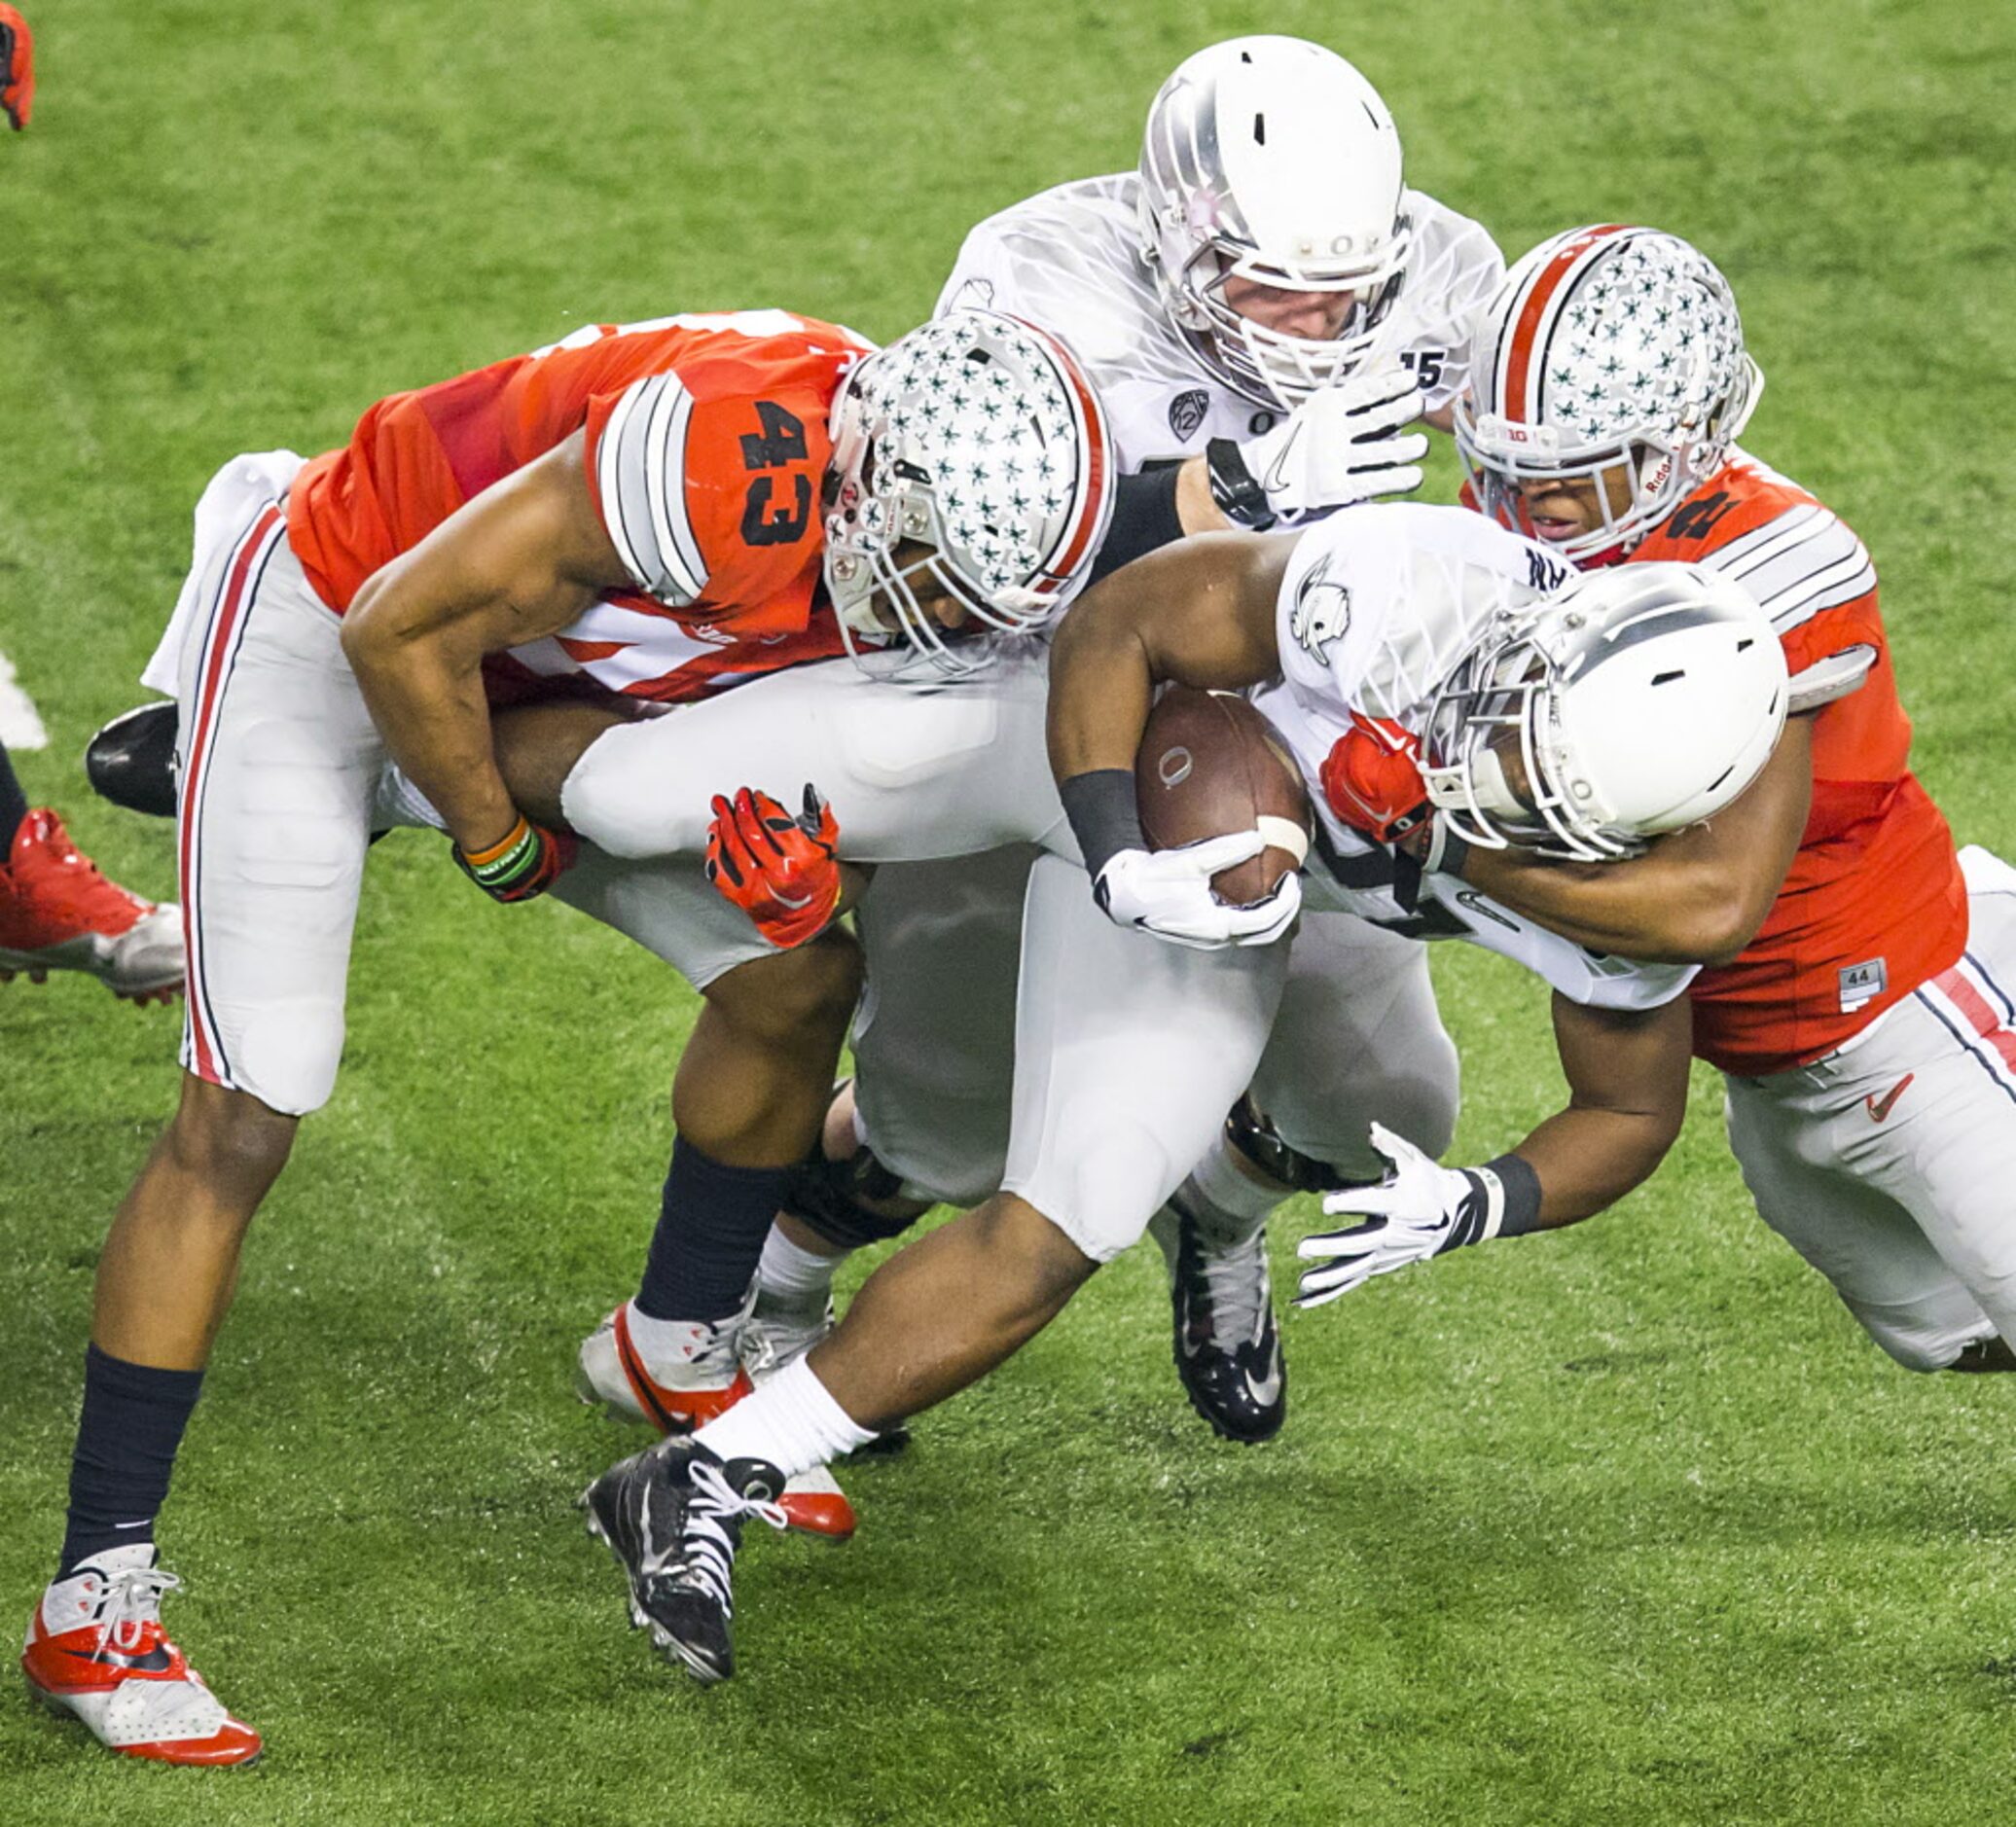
(17, 68)
(1372, 780)
(527, 863)
(1345, 443)
(1420, 1209)
(1169, 893)
(780, 871)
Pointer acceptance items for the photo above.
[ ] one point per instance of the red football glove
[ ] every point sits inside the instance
(1373, 783)
(16, 67)
(780, 871)
(529, 861)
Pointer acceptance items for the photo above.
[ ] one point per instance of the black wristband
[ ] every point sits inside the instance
(1105, 814)
(1521, 1194)
(1144, 518)
(1234, 488)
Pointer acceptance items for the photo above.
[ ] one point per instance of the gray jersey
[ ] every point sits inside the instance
(1375, 609)
(1070, 259)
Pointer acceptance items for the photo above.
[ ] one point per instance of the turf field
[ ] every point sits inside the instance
(1630, 1525)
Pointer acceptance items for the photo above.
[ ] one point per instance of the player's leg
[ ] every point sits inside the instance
(1803, 1140)
(924, 1119)
(57, 912)
(1949, 1140)
(1127, 1051)
(1359, 1040)
(279, 761)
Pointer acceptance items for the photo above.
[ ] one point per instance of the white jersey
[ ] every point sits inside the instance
(1069, 261)
(1376, 607)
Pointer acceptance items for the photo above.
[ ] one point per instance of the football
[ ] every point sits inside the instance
(1209, 764)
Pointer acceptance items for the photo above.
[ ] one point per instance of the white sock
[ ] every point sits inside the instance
(793, 1277)
(790, 1421)
(1229, 1205)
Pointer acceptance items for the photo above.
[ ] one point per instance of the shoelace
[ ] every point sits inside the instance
(708, 1557)
(1236, 1287)
(132, 1602)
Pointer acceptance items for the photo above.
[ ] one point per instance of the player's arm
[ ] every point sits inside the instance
(1627, 1074)
(1202, 614)
(1696, 897)
(522, 561)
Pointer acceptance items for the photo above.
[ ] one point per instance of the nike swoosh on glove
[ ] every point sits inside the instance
(1169, 893)
(1345, 443)
(779, 870)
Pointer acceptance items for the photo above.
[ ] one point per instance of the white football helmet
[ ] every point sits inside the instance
(978, 442)
(1272, 160)
(1629, 702)
(1605, 345)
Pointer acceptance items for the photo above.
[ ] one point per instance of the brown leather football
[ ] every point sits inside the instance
(1210, 764)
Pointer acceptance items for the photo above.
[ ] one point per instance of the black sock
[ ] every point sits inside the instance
(14, 805)
(710, 1235)
(132, 1422)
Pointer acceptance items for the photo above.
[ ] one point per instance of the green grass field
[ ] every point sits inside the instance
(1628, 1526)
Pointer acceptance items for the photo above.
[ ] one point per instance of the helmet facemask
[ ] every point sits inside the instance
(1493, 759)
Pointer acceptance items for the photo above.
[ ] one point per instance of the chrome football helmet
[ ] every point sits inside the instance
(973, 451)
(1629, 702)
(1272, 160)
(1605, 346)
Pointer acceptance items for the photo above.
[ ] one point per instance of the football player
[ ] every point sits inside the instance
(57, 912)
(639, 509)
(1864, 1029)
(1262, 307)
(1130, 1048)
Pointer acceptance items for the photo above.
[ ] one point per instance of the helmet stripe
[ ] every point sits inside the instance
(1530, 326)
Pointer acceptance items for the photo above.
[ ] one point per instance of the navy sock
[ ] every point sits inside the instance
(14, 805)
(132, 1422)
(710, 1235)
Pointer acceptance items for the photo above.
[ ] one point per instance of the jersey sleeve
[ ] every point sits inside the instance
(1813, 578)
(637, 461)
(1457, 268)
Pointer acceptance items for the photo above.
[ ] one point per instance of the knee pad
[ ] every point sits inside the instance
(1250, 1131)
(831, 1197)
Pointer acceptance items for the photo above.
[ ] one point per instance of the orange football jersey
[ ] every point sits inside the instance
(1873, 904)
(706, 445)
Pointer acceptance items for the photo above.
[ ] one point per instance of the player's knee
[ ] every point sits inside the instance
(808, 992)
(229, 1138)
(853, 1201)
(1033, 1249)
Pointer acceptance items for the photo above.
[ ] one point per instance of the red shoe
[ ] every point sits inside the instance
(95, 1648)
(59, 913)
(703, 1377)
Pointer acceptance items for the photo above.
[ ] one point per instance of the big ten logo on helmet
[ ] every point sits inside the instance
(1321, 614)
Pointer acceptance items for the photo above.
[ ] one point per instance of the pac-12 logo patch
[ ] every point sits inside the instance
(1186, 411)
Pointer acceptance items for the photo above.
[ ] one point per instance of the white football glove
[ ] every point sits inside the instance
(1169, 893)
(1420, 1209)
(1344, 444)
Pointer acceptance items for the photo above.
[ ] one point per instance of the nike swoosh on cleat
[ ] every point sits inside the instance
(1268, 1390)
(154, 1662)
(1878, 1111)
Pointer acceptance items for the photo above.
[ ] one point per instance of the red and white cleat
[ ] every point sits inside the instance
(701, 1377)
(59, 913)
(95, 1648)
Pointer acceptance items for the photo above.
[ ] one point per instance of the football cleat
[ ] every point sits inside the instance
(708, 1376)
(672, 1517)
(131, 760)
(779, 1334)
(57, 912)
(1228, 1350)
(95, 1648)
